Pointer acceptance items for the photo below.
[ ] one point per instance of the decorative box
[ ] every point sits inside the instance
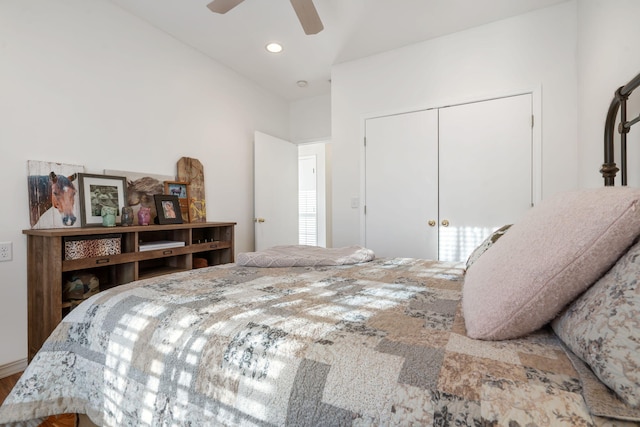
(91, 247)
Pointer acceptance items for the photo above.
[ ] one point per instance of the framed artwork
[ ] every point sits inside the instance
(97, 191)
(141, 187)
(168, 208)
(181, 190)
(54, 200)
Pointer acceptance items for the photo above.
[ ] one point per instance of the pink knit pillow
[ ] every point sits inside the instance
(556, 251)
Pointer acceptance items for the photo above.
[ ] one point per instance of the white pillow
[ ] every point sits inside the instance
(546, 260)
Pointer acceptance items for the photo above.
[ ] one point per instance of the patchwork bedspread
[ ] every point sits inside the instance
(378, 343)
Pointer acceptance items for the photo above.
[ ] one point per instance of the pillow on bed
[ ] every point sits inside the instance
(556, 251)
(602, 327)
(486, 244)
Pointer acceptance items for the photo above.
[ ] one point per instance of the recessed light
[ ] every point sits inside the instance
(274, 47)
(302, 83)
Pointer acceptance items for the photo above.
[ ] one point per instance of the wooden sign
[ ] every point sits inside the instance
(190, 170)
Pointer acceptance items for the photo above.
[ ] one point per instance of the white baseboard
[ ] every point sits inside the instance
(13, 368)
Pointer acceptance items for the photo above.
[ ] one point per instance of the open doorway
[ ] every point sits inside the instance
(312, 194)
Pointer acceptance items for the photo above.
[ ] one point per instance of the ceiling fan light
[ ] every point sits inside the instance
(274, 47)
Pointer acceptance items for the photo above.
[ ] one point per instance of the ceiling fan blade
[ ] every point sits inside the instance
(223, 6)
(308, 16)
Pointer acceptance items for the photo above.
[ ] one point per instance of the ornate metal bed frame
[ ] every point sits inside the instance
(609, 168)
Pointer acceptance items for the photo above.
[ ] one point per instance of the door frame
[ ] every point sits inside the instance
(536, 143)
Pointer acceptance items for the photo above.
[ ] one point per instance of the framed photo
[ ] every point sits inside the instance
(97, 191)
(181, 190)
(168, 208)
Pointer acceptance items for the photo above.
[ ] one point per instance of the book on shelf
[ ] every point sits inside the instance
(160, 244)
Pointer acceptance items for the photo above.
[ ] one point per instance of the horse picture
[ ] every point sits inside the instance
(53, 196)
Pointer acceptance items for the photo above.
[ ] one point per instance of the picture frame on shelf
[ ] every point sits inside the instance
(54, 199)
(181, 190)
(141, 187)
(168, 209)
(97, 191)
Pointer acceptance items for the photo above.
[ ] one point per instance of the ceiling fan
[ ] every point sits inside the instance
(306, 11)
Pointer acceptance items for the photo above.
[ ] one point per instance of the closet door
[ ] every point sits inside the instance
(401, 185)
(485, 171)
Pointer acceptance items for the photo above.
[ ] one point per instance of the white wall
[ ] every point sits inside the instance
(83, 82)
(608, 58)
(310, 119)
(535, 50)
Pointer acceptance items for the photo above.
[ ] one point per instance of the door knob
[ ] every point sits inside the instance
(445, 223)
(431, 223)
(258, 219)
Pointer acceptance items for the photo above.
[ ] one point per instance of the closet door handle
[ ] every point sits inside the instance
(445, 223)
(431, 223)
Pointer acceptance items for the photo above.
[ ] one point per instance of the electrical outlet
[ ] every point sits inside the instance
(6, 252)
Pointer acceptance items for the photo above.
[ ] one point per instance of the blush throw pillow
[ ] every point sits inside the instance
(602, 327)
(556, 251)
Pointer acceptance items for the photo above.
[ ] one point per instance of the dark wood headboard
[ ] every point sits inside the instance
(609, 168)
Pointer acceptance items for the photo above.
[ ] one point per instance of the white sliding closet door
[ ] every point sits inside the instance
(401, 185)
(485, 171)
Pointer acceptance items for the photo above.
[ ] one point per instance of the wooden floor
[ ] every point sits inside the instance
(6, 384)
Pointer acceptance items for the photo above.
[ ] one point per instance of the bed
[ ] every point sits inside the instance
(376, 343)
(540, 326)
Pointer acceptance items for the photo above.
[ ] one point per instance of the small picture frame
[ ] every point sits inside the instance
(168, 209)
(181, 190)
(97, 191)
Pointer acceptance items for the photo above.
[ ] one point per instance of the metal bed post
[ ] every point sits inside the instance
(609, 168)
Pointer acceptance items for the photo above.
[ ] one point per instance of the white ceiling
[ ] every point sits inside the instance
(352, 29)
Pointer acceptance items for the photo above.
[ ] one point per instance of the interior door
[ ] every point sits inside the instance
(401, 185)
(485, 171)
(275, 191)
